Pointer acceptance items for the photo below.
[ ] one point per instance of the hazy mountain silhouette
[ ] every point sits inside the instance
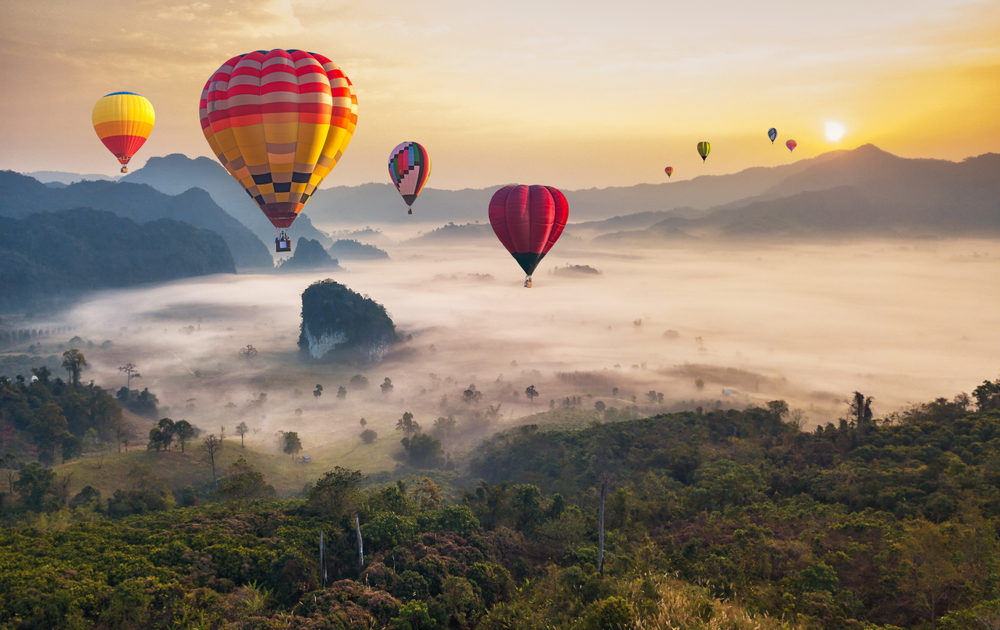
(175, 173)
(309, 255)
(51, 257)
(21, 195)
(865, 191)
(64, 177)
(349, 249)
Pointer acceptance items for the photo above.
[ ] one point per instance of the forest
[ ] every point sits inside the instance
(723, 518)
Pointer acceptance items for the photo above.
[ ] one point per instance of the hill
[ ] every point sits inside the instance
(65, 178)
(349, 249)
(309, 255)
(175, 173)
(52, 256)
(21, 196)
(864, 192)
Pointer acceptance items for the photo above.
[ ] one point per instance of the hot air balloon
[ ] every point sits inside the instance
(704, 148)
(791, 144)
(123, 121)
(772, 133)
(279, 121)
(528, 220)
(669, 171)
(409, 168)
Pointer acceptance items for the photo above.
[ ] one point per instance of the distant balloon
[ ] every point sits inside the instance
(704, 148)
(669, 171)
(772, 133)
(279, 121)
(791, 144)
(409, 168)
(528, 220)
(123, 121)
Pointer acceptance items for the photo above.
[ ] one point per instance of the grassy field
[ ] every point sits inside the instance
(109, 471)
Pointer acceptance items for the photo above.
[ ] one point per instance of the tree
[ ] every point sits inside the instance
(212, 446)
(368, 436)
(861, 412)
(471, 394)
(131, 371)
(386, 385)
(422, 451)
(242, 429)
(291, 444)
(334, 494)
(532, 393)
(407, 424)
(47, 428)
(359, 381)
(318, 391)
(244, 482)
(987, 395)
(74, 362)
(341, 392)
(36, 487)
(444, 428)
(167, 431)
(248, 352)
(184, 432)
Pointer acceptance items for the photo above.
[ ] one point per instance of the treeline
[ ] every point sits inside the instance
(46, 417)
(865, 523)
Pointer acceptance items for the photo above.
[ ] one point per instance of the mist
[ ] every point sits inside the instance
(711, 325)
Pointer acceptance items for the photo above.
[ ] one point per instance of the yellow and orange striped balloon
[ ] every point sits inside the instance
(123, 121)
(279, 121)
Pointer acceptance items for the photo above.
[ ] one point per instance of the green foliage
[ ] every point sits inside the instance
(331, 310)
(244, 482)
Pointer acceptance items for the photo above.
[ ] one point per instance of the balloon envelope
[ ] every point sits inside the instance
(772, 133)
(123, 121)
(528, 220)
(409, 168)
(279, 121)
(669, 171)
(704, 148)
(791, 144)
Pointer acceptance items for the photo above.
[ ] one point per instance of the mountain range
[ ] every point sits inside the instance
(51, 257)
(175, 173)
(21, 196)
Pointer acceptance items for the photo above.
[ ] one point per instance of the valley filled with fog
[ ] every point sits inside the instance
(725, 324)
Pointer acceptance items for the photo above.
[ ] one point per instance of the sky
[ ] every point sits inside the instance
(572, 94)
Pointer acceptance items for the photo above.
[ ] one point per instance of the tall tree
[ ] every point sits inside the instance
(212, 445)
(184, 432)
(131, 371)
(291, 442)
(74, 362)
(407, 424)
(531, 393)
(242, 429)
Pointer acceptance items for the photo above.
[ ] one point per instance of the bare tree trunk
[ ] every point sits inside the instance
(600, 525)
(322, 558)
(361, 546)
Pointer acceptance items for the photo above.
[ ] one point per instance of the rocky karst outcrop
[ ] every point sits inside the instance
(341, 325)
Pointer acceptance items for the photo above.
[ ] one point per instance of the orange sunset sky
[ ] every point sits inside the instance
(569, 93)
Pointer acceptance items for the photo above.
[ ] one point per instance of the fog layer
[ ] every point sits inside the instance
(707, 325)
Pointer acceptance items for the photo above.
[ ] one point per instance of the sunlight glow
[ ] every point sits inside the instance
(835, 130)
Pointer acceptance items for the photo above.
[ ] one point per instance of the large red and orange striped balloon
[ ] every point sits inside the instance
(279, 121)
(528, 220)
(123, 121)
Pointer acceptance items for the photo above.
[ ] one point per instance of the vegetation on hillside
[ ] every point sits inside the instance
(721, 519)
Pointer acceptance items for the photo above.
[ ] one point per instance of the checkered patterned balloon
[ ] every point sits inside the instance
(279, 121)
(409, 168)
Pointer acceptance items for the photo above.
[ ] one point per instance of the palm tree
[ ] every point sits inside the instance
(407, 424)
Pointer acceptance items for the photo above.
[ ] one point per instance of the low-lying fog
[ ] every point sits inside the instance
(904, 322)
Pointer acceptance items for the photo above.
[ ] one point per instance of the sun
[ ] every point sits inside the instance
(835, 130)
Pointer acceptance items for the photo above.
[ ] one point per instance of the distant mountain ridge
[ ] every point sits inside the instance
(21, 196)
(175, 173)
(866, 191)
(52, 257)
